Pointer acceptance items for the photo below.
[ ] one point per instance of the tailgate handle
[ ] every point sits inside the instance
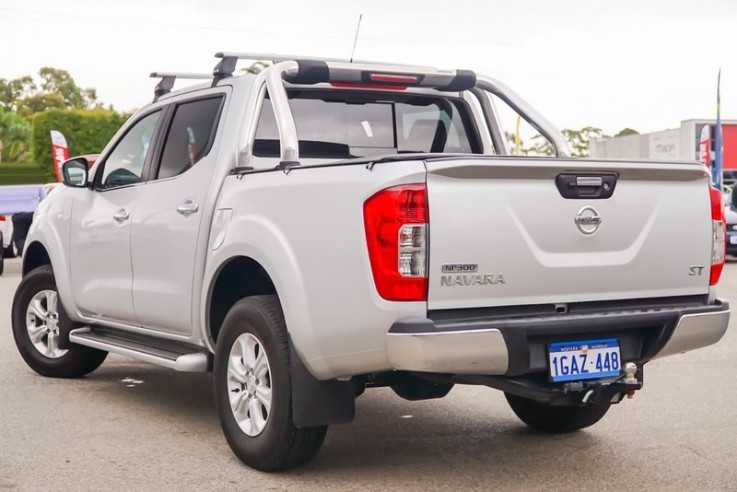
(589, 181)
(599, 186)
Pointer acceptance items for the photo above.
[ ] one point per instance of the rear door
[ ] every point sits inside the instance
(503, 233)
(169, 212)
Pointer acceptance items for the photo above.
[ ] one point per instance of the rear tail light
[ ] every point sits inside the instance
(718, 235)
(393, 78)
(359, 85)
(396, 235)
(2, 218)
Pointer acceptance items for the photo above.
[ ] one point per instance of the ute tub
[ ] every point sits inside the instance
(514, 346)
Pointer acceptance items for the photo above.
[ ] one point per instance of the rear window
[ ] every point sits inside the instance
(334, 124)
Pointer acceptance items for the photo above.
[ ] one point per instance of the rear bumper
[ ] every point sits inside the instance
(514, 346)
(697, 330)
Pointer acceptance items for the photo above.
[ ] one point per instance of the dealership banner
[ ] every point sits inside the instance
(59, 150)
(718, 169)
(705, 146)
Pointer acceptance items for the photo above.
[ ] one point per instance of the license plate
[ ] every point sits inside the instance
(586, 359)
(733, 239)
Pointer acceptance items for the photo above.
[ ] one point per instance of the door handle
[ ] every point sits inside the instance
(188, 207)
(121, 215)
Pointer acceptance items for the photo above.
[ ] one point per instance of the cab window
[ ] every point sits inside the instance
(190, 136)
(124, 165)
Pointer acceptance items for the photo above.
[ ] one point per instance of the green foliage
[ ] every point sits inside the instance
(15, 132)
(11, 91)
(578, 140)
(86, 131)
(626, 131)
(40, 102)
(16, 174)
(257, 66)
(56, 89)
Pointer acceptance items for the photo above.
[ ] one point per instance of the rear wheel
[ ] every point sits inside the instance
(2, 258)
(555, 419)
(40, 323)
(253, 389)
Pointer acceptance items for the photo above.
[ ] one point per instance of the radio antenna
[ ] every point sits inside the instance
(355, 40)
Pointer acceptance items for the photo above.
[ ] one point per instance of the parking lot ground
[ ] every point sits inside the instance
(133, 426)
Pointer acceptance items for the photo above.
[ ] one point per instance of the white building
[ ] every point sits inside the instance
(675, 144)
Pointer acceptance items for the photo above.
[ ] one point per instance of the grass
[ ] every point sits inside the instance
(13, 173)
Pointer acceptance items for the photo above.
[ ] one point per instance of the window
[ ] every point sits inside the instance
(190, 136)
(333, 124)
(124, 165)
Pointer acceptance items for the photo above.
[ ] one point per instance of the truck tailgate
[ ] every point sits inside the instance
(503, 234)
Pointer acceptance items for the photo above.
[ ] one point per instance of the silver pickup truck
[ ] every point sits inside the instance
(325, 227)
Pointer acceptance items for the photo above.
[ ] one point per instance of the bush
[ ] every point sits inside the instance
(15, 133)
(17, 174)
(86, 131)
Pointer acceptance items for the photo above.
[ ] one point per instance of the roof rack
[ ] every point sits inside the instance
(168, 78)
(304, 70)
(226, 66)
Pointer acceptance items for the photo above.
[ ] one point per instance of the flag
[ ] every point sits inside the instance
(716, 172)
(705, 146)
(59, 150)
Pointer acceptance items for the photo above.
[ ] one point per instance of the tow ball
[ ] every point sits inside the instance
(630, 368)
(612, 391)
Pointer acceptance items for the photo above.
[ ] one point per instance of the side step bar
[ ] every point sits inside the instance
(177, 356)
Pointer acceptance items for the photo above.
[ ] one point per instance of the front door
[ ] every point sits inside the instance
(101, 270)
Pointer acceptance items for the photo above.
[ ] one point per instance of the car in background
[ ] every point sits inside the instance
(17, 204)
(730, 216)
(2, 254)
(12, 242)
(6, 237)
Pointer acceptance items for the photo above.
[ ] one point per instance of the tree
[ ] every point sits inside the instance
(626, 131)
(11, 91)
(15, 132)
(257, 66)
(56, 89)
(40, 102)
(57, 81)
(578, 140)
(540, 146)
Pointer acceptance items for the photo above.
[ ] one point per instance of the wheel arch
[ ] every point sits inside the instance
(37, 254)
(236, 278)
(314, 402)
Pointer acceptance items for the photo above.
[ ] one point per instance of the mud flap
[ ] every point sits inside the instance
(316, 403)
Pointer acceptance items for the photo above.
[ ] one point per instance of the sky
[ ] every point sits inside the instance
(644, 64)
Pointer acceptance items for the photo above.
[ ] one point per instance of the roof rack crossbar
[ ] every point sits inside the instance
(166, 83)
(274, 57)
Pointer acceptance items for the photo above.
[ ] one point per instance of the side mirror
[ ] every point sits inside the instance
(74, 172)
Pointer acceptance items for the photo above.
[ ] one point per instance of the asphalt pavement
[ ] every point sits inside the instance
(133, 426)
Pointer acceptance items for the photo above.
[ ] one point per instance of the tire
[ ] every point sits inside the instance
(555, 419)
(2, 260)
(263, 438)
(41, 351)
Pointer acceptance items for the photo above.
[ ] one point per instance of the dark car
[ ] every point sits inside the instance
(730, 215)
